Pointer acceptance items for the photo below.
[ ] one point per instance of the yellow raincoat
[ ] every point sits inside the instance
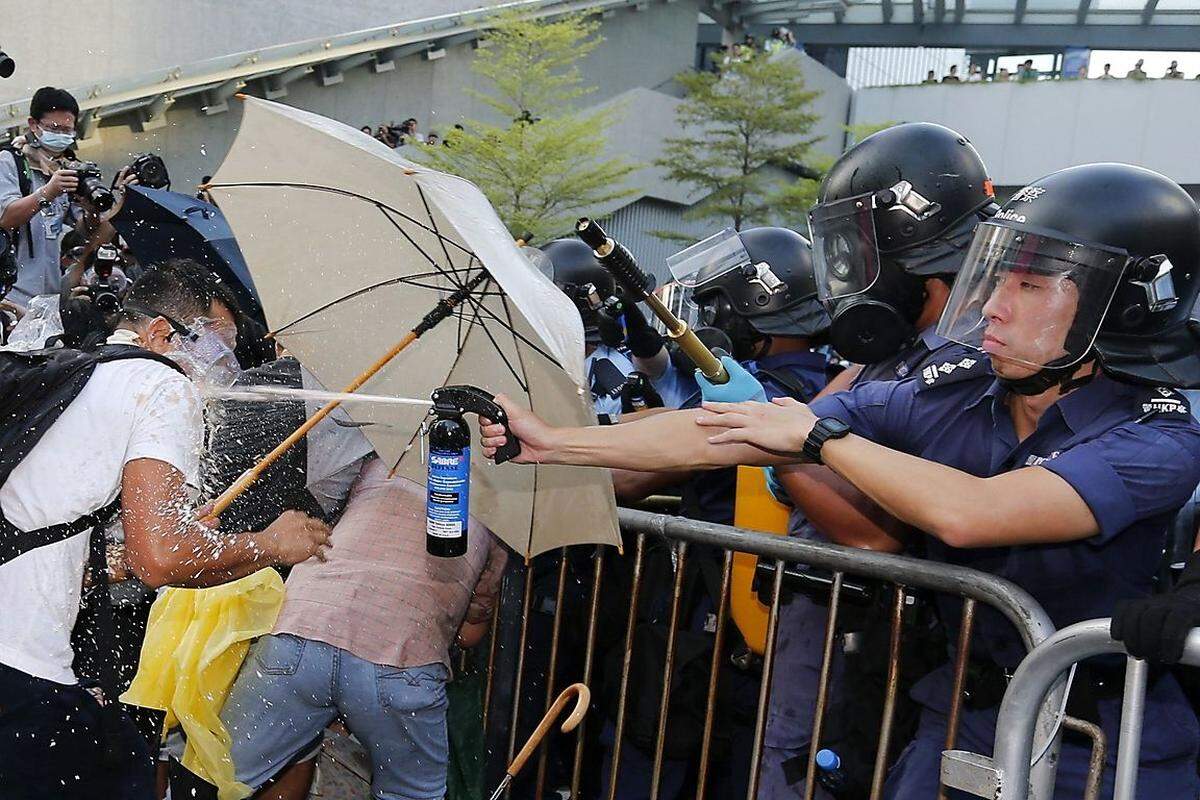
(195, 642)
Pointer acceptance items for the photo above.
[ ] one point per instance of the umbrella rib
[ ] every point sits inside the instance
(429, 213)
(533, 498)
(500, 352)
(513, 331)
(331, 190)
(432, 262)
(366, 289)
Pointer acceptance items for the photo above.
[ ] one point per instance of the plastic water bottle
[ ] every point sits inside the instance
(829, 771)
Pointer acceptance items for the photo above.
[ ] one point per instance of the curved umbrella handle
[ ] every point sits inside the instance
(583, 701)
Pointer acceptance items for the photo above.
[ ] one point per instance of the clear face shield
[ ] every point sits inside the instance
(1031, 300)
(698, 266)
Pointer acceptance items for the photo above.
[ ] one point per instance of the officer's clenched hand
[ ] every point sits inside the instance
(780, 426)
(534, 434)
(294, 537)
(1155, 628)
(740, 386)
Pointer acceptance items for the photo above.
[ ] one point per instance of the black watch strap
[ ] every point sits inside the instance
(825, 429)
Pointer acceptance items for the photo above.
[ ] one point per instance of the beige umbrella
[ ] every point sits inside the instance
(350, 246)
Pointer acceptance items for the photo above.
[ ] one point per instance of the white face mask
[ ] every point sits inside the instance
(206, 356)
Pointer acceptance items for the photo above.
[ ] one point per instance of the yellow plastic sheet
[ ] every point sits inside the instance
(195, 642)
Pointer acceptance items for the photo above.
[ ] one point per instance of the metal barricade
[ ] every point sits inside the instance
(1005, 776)
(901, 572)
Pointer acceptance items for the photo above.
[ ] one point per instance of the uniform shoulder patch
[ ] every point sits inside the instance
(1162, 402)
(940, 373)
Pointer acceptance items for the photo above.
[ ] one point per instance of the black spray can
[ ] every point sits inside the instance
(447, 499)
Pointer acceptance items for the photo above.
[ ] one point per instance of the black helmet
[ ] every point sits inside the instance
(898, 207)
(1118, 248)
(774, 291)
(574, 269)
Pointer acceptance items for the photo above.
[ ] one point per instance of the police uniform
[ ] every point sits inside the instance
(799, 647)
(607, 368)
(1133, 455)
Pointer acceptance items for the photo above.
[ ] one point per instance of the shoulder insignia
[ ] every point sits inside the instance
(1161, 402)
(939, 373)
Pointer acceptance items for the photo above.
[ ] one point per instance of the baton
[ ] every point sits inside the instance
(620, 262)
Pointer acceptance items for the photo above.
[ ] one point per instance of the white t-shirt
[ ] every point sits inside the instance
(127, 410)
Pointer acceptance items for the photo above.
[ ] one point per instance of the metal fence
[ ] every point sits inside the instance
(515, 688)
(1005, 776)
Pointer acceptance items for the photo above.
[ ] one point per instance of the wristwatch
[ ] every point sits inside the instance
(826, 428)
(43, 201)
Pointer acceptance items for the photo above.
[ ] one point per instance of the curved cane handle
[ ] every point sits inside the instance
(583, 701)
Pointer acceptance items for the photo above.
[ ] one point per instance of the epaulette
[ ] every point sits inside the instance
(1162, 403)
(952, 371)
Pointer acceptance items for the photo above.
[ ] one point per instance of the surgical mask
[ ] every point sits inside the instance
(54, 141)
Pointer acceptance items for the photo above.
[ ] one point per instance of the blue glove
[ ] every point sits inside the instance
(740, 387)
(776, 488)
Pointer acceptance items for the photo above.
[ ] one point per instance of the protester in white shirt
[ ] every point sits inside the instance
(135, 430)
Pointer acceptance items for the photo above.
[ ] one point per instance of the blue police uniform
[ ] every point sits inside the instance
(607, 368)
(1133, 455)
(710, 497)
(801, 637)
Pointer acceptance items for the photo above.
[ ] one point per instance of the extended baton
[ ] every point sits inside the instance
(620, 262)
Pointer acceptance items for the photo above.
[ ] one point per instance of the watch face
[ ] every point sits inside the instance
(835, 427)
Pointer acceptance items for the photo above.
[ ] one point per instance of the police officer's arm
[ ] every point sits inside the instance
(666, 442)
(1026, 506)
(841, 512)
(630, 486)
(166, 546)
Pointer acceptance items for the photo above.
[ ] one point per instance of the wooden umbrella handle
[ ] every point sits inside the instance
(583, 701)
(251, 475)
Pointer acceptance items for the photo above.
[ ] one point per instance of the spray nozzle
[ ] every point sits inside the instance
(451, 402)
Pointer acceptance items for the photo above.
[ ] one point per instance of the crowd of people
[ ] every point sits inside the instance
(926, 372)
(1027, 73)
(406, 132)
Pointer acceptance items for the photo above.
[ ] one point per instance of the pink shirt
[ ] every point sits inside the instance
(380, 595)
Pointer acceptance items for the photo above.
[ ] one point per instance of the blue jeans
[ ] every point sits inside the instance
(290, 689)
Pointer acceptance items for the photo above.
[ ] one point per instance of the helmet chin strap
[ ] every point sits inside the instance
(1049, 377)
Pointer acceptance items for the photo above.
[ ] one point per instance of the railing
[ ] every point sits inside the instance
(506, 685)
(1005, 776)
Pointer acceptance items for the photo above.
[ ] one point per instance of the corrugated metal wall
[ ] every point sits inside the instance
(632, 226)
(890, 66)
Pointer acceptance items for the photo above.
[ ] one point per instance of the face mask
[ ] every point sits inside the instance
(55, 142)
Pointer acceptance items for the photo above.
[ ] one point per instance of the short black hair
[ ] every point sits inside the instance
(180, 288)
(49, 98)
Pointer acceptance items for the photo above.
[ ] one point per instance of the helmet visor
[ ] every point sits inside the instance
(845, 250)
(1030, 299)
(708, 259)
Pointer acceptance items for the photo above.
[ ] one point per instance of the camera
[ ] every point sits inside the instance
(151, 171)
(91, 184)
(103, 298)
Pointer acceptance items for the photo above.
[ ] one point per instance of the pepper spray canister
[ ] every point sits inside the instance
(448, 489)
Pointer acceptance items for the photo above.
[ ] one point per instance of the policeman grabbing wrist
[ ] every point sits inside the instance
(1156, 628)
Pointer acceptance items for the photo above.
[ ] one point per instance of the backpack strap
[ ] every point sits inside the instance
(100, 599)
(25, 184)
(792, 386)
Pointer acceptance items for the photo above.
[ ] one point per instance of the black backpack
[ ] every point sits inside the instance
(26, 187)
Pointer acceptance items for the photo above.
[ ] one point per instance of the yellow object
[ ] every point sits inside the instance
(195, 642)
(757, 509)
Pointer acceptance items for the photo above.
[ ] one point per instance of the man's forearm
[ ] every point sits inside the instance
(662, 443)
(19, 212)
(200, 558)
(842, 513)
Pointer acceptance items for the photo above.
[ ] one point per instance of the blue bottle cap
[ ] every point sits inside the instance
(828, 760)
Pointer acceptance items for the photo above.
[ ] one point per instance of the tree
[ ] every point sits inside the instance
(753, 113)
(543, 166)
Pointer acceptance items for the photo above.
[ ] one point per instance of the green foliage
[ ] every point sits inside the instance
(863, 130)
(752, 114)
(543, 166)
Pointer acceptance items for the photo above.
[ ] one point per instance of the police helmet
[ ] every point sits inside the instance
(897, 208)
(1112, 251)
(774, 291)
(574, 269)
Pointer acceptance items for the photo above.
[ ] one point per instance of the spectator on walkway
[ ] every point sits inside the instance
(1002, 75)
(1027, 73)
(1107, 74)
(432, 139)
(1173, 72)
(976, 74)
(930, 77)
(1137, 73)
(952, 76)
(366, 129)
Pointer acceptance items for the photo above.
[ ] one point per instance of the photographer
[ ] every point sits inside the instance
(39, 195)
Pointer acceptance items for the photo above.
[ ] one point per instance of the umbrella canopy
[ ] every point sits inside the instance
(351, 246)
(159, 225)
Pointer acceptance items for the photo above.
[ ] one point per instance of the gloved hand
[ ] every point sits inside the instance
(1155, 628)
(741, 386)
(775, 487)
(641, 339)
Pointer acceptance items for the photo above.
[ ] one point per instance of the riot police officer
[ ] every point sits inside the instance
(895, 216)
(1054, 459)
